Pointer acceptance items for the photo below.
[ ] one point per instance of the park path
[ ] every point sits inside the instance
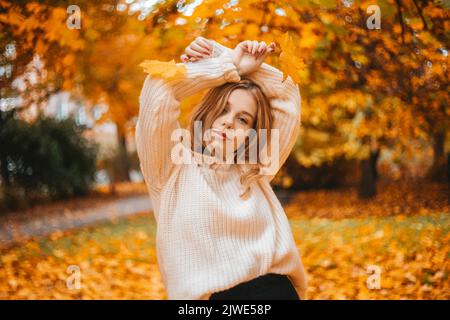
(73, 214)
(14, 227)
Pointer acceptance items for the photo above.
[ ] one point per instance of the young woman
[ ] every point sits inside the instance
(221, 231)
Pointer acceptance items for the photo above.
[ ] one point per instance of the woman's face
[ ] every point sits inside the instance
(238, 116)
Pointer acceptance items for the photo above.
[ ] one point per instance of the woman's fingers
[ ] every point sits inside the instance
(184, 58)
(200, 49)
(193, 53)
(254, 46)
(261, 49)
(249, 46)
(245, 46)
(262, 46)
(269, 49)
(204, 43)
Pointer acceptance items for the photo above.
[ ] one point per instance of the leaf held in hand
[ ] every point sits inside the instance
(290, 63)
(163, 69)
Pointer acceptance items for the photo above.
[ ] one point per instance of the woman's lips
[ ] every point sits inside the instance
(220, 134)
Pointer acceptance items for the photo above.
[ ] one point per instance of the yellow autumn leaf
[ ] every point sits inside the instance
(291, 64)
(68, 60)
(163, 69)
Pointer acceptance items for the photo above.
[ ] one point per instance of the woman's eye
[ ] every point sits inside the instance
(243, 120)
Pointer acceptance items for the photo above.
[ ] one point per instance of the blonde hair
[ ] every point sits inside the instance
(212, 105)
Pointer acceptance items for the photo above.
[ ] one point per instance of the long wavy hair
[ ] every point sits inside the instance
(213, 104)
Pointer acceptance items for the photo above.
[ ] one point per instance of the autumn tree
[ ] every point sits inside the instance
(364, 88)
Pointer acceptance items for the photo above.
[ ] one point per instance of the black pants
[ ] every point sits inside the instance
(269, 286)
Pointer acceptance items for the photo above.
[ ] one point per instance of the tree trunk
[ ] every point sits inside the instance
(367, 185)
(4, 172)
(373, 162)
(448, 176)
(123, 165)
(438, 169)
(112, 187)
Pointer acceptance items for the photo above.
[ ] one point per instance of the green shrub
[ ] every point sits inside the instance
(46, 159)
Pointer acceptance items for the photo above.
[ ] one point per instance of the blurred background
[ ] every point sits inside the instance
(366, 187)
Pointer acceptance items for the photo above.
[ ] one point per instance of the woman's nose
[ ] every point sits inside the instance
(227, 123)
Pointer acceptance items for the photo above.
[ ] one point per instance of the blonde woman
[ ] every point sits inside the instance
(221, 231)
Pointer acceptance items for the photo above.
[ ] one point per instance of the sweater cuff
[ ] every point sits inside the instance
(230, 71)
(204, 74)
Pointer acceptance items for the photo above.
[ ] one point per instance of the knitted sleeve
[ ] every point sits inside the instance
(285, 100)
(159, 109)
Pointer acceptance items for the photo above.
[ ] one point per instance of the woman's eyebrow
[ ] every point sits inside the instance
(250, 115)
(243, 111)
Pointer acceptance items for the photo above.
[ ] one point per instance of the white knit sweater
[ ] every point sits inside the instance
(208, 239)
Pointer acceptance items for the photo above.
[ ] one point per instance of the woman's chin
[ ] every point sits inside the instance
(218, 147)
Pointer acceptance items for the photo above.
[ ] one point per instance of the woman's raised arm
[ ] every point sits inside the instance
(159, 110)
(285, 101)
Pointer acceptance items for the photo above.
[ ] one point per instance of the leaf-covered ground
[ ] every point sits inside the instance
(117, 259)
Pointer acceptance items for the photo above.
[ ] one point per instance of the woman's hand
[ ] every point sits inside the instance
(249, 55)
(197, 49)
